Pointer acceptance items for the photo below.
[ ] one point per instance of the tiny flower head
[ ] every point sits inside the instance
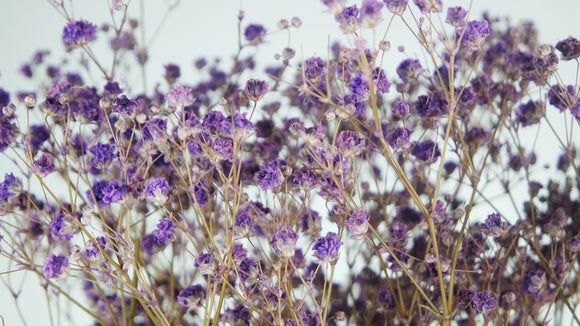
(44, 165)
(285, 241)
(64, 226)
(157, 190)
(255, 33)
(314, 68)
(55, 266)
(358, 223)
(494, 226)
(370, 13)
(474, 35)
(350, 144)
(78, 33)
(429, 6)
(326, 248)
(534, 283)
(102, 154)
(192, 296)
(427, 151)
(206, 263)
(256, 89)
(269, 176)
(180, 97)
(570, 48)
(484, 302)
(397, 7)
(456, 16)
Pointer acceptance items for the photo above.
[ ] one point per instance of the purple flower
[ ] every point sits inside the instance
(474, 35)
(570, 48)
(269, 176)
(399, 136)
(114, 192)
(102, 155)
(172, 73)
(224, 147)
(530, 113)
(428, 106)
(63, 226)
(164, 233)
(206, 263)
(350, 144)
(348, 16)
(426, 151)
(397, 7)
(112, 88)
(562, 98)
(494, 226)
(256, 89)
(534, 283)
(314, 67)
(244, 225)
(464, 299)
(456, 16)
(399, 234)
(125, 106)
(55, 266)
(180, 97)
(326, 248)
(284, 241)
(158, 190)
(255, 33)
(385, 297)
(44, 165)
(92, 249)
(359, 87)
(192, 296)
(429, 6)
(78, 33)
(477, 136)
(370, 13)
(202, 192)
(155, 131)
(380, 80)
(409, 70)
(215, 122)
(5, 192)
(484, 302)
(401, 110)
(358, 223)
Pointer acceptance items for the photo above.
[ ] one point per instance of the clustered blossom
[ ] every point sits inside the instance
(474, 35)
(358, 224)
(256, 89)
(55, 266)
(78, 33)
(326, 248)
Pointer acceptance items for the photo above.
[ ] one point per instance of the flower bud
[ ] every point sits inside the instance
(30, 101)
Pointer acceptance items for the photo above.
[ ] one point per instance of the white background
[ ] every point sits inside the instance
(208, 29)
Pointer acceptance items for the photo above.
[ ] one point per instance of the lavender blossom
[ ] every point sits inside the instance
(285, 241)
(358, 224)
(570, 48)
(44, 165)
(192, 296)
(255, 33)
(77, 34)
(256, 89)
(269, 176)
(55, 266)
(474, 35)
(397, 7)
(326, 248)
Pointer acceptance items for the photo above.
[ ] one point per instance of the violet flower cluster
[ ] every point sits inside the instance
(330, 191)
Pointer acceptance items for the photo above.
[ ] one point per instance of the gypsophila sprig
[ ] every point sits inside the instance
(359, 185)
